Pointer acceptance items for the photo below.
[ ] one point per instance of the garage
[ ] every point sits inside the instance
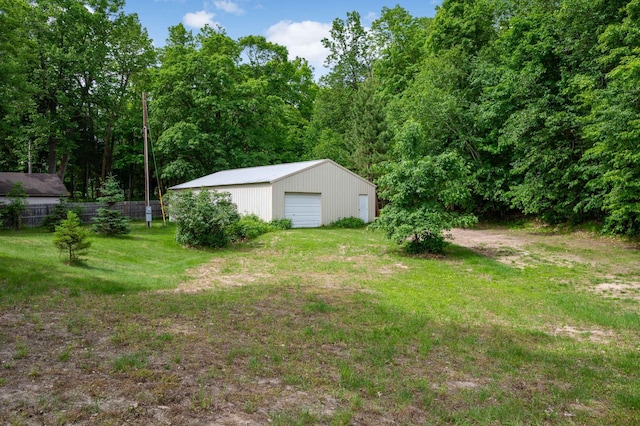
(304, 210)
(310, 193)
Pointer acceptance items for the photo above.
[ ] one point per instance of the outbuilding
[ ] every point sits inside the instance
(310, 193)
(41, 188)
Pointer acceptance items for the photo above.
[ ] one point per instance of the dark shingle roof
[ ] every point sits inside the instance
(35, 184)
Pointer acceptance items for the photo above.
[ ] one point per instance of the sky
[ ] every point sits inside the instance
(299, 25)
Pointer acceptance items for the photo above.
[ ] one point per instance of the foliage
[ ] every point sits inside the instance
(11, 212)
(539, 99)
(59, 213)
(70, 237)
(348, 222)
(249, 227)
(613, 126)
(75, 64)
(214, 111)
(281, 224)
(110, 222)
(351, 52)
(203, 219)
(426, 197)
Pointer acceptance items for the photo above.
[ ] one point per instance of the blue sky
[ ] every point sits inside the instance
(298, 25)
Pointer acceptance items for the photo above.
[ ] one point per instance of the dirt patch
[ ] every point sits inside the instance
(507, 249)
(592, 334)
(619, 289)
(613, 264)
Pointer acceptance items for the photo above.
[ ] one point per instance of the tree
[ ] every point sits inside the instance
(110, 222)
(399, 38)
(12, 212)
(368, 137)
(426, 194)
(613, 126)
(351, 52)
(215, 111)
(204, 219)
(71, 237)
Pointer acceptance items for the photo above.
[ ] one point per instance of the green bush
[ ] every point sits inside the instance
(281, 224)
(427, 196)
(59, 213)
(249, 227)
(204, 219)
(348, 222)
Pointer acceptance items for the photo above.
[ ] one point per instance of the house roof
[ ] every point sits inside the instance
(35, 184)
(263, 174)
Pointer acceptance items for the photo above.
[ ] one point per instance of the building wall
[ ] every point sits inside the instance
(33, 200)
(339, 188)
(254, 199)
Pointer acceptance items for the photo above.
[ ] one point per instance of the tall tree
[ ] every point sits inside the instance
(399, 40)
(351, 52)
(215, 111)
(368, 135)
(613, 125)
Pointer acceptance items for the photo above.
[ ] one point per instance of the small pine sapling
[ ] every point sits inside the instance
(70, 237)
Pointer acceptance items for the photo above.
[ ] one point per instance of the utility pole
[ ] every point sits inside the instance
(145, 129)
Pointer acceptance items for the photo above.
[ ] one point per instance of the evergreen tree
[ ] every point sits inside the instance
(110, 222)
(71, 237)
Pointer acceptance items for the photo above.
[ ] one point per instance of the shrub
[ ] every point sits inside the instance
(59, 213)
(427, 196)
(348, 222)
(110, 222)
(249, 227)
(71, 237)
(203, 219)
(281, 224)
(12, 213)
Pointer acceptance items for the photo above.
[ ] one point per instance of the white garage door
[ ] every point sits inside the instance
(302, 209)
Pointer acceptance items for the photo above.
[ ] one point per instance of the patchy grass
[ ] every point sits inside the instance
(323, 326)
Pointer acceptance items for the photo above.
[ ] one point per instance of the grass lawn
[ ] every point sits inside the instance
(319, 326)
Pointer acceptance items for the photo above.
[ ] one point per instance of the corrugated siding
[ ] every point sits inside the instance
(254, 199)
(339, 188)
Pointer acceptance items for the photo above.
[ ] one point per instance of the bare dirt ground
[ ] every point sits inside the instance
(613, 275)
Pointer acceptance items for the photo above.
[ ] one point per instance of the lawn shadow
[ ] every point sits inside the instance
(21, 279)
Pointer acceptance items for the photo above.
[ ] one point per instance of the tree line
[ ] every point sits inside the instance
(489, 109)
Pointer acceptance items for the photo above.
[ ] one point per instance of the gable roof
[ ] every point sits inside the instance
(262, 174)
(35, 184)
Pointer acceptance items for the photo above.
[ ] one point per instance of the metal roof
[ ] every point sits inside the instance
(263, 174)
(35, 184)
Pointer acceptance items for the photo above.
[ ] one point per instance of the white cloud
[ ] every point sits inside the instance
(302, 39)
(371, 16)
(228, 6)
(199, 19)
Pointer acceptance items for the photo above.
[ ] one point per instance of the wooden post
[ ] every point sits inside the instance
(145, 128)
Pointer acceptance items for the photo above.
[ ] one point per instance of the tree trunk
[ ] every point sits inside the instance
(51, 160)
(107, 153)
(63, 166)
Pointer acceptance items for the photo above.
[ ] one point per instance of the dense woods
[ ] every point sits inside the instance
(526, 107)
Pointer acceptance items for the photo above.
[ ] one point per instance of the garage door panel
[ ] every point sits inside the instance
(303, 209)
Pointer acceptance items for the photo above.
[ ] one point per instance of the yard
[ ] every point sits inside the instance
(329, 326)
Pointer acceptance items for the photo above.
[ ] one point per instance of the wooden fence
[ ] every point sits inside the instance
(35, 213)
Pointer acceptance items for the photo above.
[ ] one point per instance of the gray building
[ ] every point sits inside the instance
(310, 193)
(40, 188)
